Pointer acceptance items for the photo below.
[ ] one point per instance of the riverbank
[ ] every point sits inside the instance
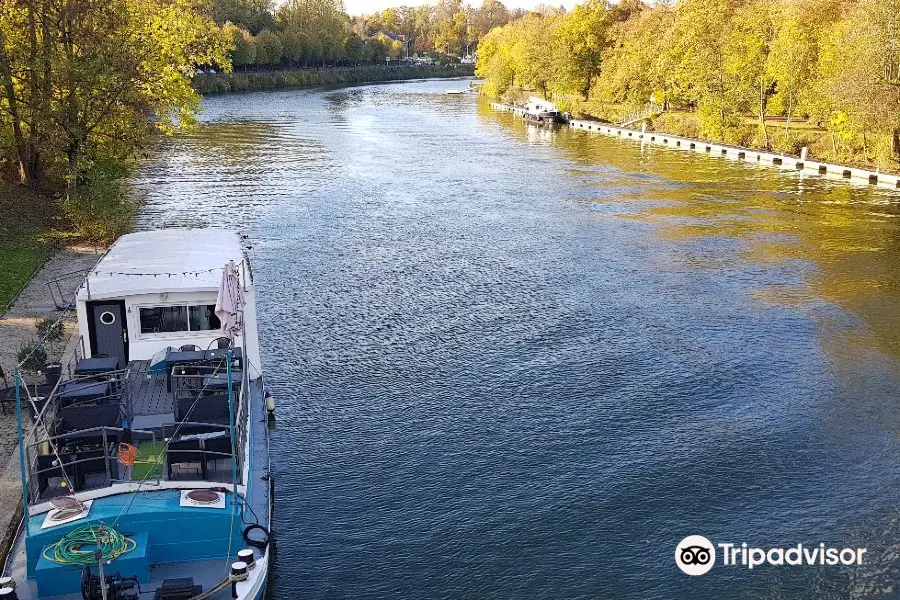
(742, 153)
(781, 137)
(218, 83)
(17, 328)
(26, 220)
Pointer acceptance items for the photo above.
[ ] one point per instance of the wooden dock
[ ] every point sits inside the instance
(784, 161)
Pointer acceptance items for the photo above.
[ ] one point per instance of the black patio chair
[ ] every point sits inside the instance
(181, 453)
(50, 467)
(190, 348)
(217, 456)
(221, 343)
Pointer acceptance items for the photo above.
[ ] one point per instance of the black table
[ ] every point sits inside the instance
(219, 354)
(81, 392)
(96, 366)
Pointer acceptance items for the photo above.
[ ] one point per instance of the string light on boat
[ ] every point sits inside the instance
(165, 273)
(158, 274)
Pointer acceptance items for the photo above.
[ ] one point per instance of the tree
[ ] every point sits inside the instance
(749, 47)
(244, 44)
(491, 14)
(698, 57)
(85, 76)
(268, 48)
(581, 38)
(292, 47)
(635, 65)
(353, 49)
(793, 55)
(253, 15)
(450, 25)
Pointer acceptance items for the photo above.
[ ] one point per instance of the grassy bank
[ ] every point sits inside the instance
(217, 83)
(26, 222)
(35, 223)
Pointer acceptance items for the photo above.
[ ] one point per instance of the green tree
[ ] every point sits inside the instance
(580, 41)
(253, 15)
(749, 47)
(268, 48)
(635, 65)
(81, 77)
(353, 49)
(244, 52)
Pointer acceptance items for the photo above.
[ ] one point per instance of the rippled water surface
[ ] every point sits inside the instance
(512, 363)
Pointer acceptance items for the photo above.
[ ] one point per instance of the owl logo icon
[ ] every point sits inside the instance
(695, 555)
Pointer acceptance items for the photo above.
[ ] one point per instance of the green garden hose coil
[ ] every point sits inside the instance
(79, 546)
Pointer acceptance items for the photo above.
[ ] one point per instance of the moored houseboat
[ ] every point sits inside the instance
(542, 112)
(145, 472)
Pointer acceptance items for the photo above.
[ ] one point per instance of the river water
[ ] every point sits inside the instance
(513, 363)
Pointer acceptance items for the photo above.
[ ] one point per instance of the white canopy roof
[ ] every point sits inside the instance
(168, 260)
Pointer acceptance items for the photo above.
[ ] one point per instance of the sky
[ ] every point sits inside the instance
(359, 7)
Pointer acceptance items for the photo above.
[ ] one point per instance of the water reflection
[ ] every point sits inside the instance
(522, 362)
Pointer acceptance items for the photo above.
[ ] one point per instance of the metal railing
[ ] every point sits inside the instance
(69, 449)
(189, 389)
(70, 452)
(58, 295)
(644, 113)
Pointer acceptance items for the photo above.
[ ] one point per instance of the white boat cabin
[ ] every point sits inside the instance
(536, 106)
(158, 289)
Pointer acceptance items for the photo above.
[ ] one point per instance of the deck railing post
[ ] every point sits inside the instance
(105, 456)
(22, 465)
(228, 359)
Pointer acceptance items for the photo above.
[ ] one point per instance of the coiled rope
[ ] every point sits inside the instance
(78, 547)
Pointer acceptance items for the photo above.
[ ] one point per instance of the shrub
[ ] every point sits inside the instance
(99, 209)
(680, 124)
(741, 135)
(32, 356)
(50, 329)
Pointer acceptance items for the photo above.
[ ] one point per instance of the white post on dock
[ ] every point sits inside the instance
(803, 153)
(643, 129)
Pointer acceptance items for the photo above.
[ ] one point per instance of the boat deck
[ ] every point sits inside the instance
(147, 393)
(166, 528)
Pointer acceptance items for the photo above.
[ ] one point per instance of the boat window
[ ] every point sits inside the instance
(172, 319)
(203, 318)
(164, 319)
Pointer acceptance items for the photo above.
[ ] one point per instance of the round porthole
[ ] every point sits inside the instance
(107, 318)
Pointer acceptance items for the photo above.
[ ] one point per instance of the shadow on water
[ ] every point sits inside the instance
(514, 363)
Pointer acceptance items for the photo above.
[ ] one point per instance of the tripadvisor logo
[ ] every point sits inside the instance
(696, 555)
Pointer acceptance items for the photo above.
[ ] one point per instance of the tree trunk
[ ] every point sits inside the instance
(26, 176)
(72, 154)
(763, 103)
(790, 108)
(895, 143)
(28, 150)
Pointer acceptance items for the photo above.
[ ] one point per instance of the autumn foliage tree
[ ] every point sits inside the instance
(834, 62)
(88, 78)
